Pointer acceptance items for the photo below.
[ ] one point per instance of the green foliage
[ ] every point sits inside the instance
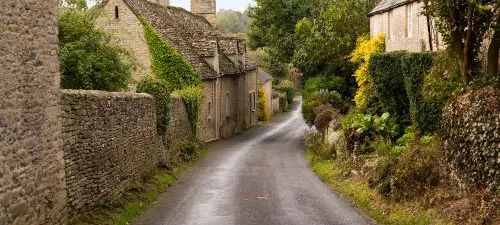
(88, 57)
(190, 151)
(443, 79)
(315, 144)
(263, 113)
(385, 70)
(274, 67)
(289, 88)
(324, 43)
(469, 132)
(167, 63)
(232, 22)
(370, 126)
(425, 116)
(365, 48)
(161, 91)
(193, 98)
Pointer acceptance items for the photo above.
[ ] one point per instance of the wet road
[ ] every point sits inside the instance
(260, 177)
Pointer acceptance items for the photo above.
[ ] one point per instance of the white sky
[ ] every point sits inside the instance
(238, 5)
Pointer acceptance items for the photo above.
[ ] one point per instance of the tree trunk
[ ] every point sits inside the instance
(468, 52)
(429, 29)
(493, 50)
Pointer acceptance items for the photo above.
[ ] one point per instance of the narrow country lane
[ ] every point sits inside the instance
(260, 177)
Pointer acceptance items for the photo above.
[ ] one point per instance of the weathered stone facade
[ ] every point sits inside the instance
(110, 142)
(32, 185)
(205, 8)
(128, 31)
(404, 26)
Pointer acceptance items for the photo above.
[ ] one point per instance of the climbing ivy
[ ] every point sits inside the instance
(263, 113)
(161, 91)
(193, 97)
(167, 63)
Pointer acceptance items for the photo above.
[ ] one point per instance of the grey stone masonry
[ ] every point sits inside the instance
(32, 185)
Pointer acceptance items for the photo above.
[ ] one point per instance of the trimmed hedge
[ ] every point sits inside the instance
(388, 80)
(159, 89)
(425, 116)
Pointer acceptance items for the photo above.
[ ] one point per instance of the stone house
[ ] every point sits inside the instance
(266, 82)
(404, 26)
(229, 77)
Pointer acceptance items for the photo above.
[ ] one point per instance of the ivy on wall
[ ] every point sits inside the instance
(172, 69)
(263, 113)
(193, 98)
(161, 91)
(167, 63)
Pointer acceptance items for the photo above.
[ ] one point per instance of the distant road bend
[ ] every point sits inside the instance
(260, 177)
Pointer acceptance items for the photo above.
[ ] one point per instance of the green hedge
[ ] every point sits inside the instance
(160, 89)
(424, 115)
(385, 69)
(167, 63)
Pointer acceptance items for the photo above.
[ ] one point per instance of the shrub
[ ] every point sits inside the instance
(289, 88)
(193, 98)
(89, 58)
(422, 114)
(365, 47)
(470, 132)
(324, 117)
(315, 143)
(443, 79)
(161, 91)
(190, 151)
(388, 81)
(263, 113)
(167, 63)
(416, 172)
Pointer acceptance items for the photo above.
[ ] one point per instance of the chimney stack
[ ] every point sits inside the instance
(205, 8)
(161, 2)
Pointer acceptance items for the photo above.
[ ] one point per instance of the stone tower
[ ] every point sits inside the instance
(161, 2)
(205, 8)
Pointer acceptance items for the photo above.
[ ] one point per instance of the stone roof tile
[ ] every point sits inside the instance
(386, 5)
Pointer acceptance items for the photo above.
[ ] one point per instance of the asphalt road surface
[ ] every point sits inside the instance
(260, 177)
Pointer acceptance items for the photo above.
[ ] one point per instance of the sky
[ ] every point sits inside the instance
(237, 5)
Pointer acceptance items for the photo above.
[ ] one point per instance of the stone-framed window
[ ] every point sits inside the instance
(117, 12)
(228, 105)
(253, 100)
(409, 20)
(390, 31)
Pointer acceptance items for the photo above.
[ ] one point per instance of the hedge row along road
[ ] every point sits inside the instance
(260, 177)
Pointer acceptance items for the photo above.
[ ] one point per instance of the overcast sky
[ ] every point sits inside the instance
(238, 5)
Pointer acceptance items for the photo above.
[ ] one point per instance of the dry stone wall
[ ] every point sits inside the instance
(110, 142)
(179, 128)
(32, 186)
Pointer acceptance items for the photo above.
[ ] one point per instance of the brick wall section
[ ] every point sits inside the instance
(32, 187)
(109, 141)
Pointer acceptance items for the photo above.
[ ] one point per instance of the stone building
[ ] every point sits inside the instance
(229, 78)
(266, 82)
(404, 26)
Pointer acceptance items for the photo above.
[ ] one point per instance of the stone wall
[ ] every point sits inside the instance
(32, 186)
(179, 128)
(109, 141)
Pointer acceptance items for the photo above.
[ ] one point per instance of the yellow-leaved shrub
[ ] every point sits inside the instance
(365, 47)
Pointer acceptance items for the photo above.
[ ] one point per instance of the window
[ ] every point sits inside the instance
(409, 20)
(228, 106)
(209, 110)
(253, 101)
(389, 24)
(117, 13)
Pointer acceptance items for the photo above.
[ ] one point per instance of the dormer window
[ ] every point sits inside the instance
(117, 12)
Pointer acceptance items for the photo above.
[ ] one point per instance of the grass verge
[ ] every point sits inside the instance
(383, 211)
(137, 199)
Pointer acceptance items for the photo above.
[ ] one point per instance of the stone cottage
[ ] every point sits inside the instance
(266, 82)
(404, 26)
(229, 78)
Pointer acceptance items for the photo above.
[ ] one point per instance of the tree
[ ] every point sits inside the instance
(327, 42)
(232, 22)
(463, 24)
(88, 57)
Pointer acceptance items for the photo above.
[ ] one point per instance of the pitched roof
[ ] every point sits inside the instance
(191, 35)
(263, 76)
(386, 5)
